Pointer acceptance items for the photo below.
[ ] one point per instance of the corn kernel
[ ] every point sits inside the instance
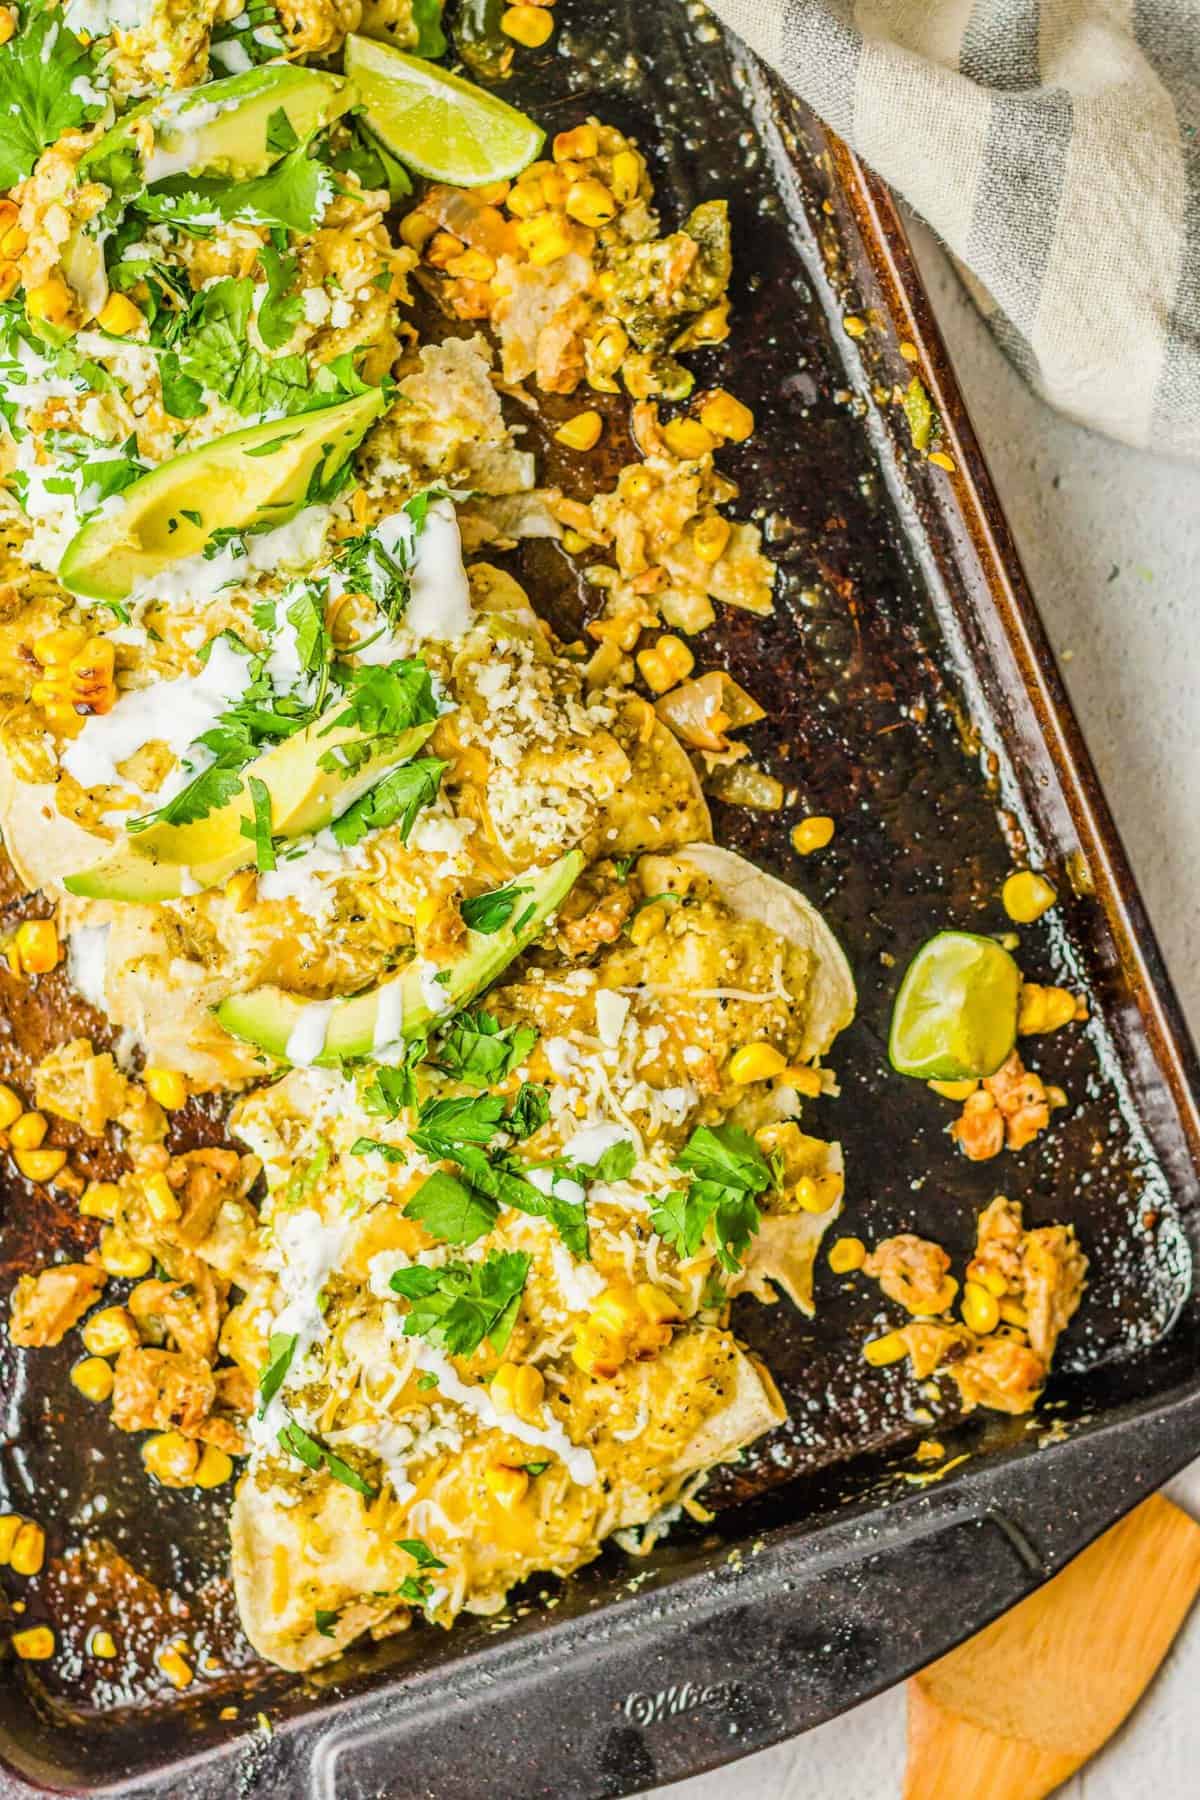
(416, 229)
(167, 1086)
(38, 946)
(527, 25)
(171, 1458)
(519, 1388)
(119, 316)
(813, 833)
(688, 439)
(101, 1643)
(8, 23)
(51, 302)
(28, 1131)
(582, 432)
(659, 1307)
(472, 265)
(1012, 1314)
(527, 198)
(712, 327)
(755, 1062)
(10, 1524)
(10, 280)
(590, 202)
(40, 1165)
(109, 1331)
(942, 461)
(805, 1081)
(613, 1310)
(606, 349)
(846, 1255)
(1044, 1008)
(175, 1667)
(576, 145)
(890, 1348)
(726, 417)
(853, 326)
(93, 1377)
(13, 243)
(647, 924)
(710, 538)
(626, 177)
(507, 1486)
(668, 662)
(214, 1468)
(1026, 896)
(980, 1309)
(544, 238)
(993, 1281)
(11, 1106)
(954, 1090)
(29, 1549)
(442, 248)
(817, 1193)
(574, 543)
(119, 1257)
(162, 1202)
(240, 890)
(35, 1644)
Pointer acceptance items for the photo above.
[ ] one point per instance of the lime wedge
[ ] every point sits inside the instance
(956, 1013)
(445, 128)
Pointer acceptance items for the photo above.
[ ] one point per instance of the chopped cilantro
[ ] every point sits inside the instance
(416, 1589)
(397, 799)
(459, 1305)
(281, 1347)
(316, 1455)
(464, 1119)
(536, 1468)
(728, 1171)
(489, 913)
(393, 1087)
(451, 1210)
(420, 1552)
(530, 1110)
(281, 307)
(46, 78)
(258, 828)
(325, 1621)
(478, 1049)
(367, 1146)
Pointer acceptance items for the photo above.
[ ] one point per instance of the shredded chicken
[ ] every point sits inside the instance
(913, 1272)
(1009, 1108)
(161, 1390)
(1002, 1372)
(1043, 1270)
(45, 1306)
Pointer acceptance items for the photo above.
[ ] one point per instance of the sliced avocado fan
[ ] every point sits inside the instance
(249, 480)
(165, 861)
(326, 1032)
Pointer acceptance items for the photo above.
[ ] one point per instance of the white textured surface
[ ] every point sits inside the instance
(1111, 542)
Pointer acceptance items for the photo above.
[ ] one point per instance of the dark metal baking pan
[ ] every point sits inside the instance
(911, 694)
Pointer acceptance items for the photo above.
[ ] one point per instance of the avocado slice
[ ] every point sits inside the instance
(221, 128)
(249, 480)
(165, 861)
(397, 1009)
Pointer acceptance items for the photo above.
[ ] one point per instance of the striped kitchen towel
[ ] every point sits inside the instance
(1054, 145)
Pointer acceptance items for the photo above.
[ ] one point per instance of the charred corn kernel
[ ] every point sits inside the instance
(175, 1666)
(712, 327)
(40, 1165)
(161, 1199)
(805, 1081)
(755, 1062)
(598, 1351)
(11, 1107)
(574, 543)
(8, 23)
(647, 924)
(813, 833)
(817, 1193)
(672, 658)
(527, 25)
(28, 1131)
(93, 1377)
(171, 1458)
(109, 1331)
(14, 242)
(119, 315)
(214, 1468)
(576, 145)
(710, 538)
(727, 417)
(507, 1487)
(51, 302)
(1044, 1008)
(38, 946)
(35, 1644)
(890, 1348)
(582, 432)
(1026, 896)
(993, 1281)
(241, 888)
(102, 1643)
(442, 248)
(626, 177)
(121, 1258)
(59, 646)
(167, 1086)
(659, 1307)
(1012, 1314)
(591, 203)
(848, 1254)
(416, 229)
(29, 1549)
(980, 1309)
(10, 280)
(91, 673)
(606, 348)
(688, 439)
(614, 1310)
(527, 198)
(10, 1524)
(472, 265)
(954, 1090)
(519, 1388)
(544, 238)
(10, 212)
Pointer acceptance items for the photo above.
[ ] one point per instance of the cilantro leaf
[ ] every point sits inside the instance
(427, 17)
(398, 798)
(415, 1589)
(507, 1185)
(258, 828)
(294, 193)
(478, 1049)
(728, 1170)
(530, 1110)
(420, 1552)
(451, 1210)
(315, 1455)
(45, 75)
(364, 1146)
(280, 311)
(281, 133)
(488, 913)
(614, 1164)
(372, 162)
(394, 1086)
(325, 1621)
(465, 1119)
(726, 1154)
(384, 699)
(458, 1306)
(281, 1347)
(212, 788)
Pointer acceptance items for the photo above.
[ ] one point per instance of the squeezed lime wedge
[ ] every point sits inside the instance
(956, 1013)
(445, 128)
